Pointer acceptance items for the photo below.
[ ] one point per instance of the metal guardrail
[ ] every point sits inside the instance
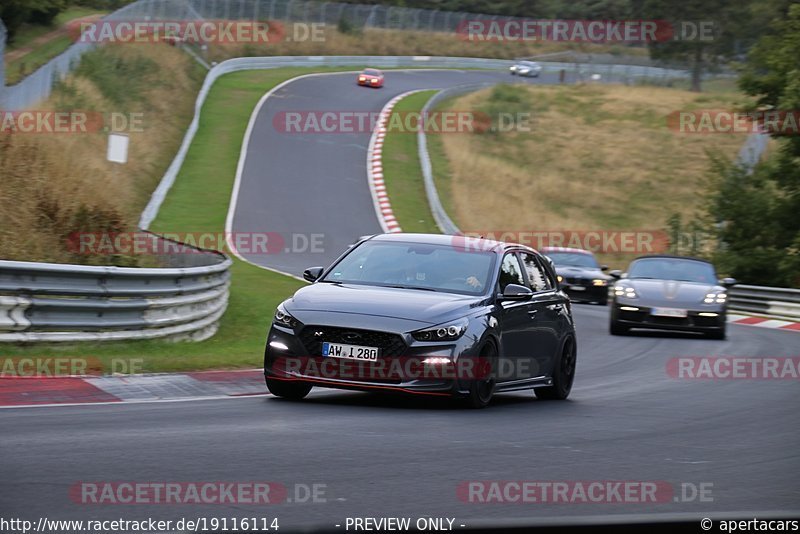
(53, 302)
(775, 302)
(443, 221)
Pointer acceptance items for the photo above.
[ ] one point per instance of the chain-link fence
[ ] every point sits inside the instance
(37, 86)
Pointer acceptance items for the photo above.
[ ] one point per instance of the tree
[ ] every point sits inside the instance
(15, 13)
(759, 213)
(703, 32)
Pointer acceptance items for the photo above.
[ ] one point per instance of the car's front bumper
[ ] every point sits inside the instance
(643, 317)
(584, 291)
(403, 371)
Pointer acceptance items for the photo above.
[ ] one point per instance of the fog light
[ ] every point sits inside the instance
(436, 361)
(278, 345)
(708, 314)
(629, 308)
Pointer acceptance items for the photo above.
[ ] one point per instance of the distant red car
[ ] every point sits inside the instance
(370, 78)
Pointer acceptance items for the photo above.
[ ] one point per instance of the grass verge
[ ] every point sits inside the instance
(402, 173)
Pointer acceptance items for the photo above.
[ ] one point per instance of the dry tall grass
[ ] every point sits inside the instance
(598, 157)
(52, 185)
(405, 43)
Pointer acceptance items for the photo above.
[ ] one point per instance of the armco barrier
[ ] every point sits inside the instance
(776, 302)
(49, 302)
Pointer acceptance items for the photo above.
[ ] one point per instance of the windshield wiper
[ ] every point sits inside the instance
(413, 287)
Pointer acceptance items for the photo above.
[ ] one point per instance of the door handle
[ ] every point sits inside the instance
(554, 306)
(532, 313)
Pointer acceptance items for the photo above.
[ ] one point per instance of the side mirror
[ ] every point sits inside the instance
(604, 268)
(516, 292)
(728, 282)
(313, 273)
(616, 273)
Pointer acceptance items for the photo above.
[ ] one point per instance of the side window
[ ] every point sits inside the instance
(510, 272)
(537, 276)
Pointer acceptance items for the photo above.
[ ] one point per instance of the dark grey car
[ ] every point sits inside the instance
(426, 314)
(670, 293)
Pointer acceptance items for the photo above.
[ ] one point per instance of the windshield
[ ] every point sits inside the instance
(673, 269)
(372, 72)
(573, 259)
(415, 266)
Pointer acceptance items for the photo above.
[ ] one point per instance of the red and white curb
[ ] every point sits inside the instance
(377, 186)
(70, 390)
(763, 322)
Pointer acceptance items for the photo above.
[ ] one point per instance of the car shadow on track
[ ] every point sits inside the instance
(415, 402)
(666, 334)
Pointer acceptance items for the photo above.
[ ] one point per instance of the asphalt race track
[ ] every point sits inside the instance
(302, 184)
(627, 418)
(378, 456)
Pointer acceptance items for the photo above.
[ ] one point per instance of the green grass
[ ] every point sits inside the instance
(76, 12)
(403, 175)
(20, 67)
(442, 176)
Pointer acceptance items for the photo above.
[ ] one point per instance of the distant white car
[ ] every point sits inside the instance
(526, 68)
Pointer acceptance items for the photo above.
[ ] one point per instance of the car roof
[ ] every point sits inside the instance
(452, 240)
(672, 257)
(545, 250)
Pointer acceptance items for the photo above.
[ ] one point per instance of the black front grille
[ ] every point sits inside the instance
(670, 321)
(576, 281)
(390, 345)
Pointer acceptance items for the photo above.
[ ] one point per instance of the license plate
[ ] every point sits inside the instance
(668, 312)
(350, 352)
(577, 288)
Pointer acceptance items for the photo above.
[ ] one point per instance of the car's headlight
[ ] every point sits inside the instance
(284, 318)
(625, 291)
(446, 332)
(715, 298)
(600, 282)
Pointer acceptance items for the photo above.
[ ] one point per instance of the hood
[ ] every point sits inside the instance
(671, 292)
(422, 306)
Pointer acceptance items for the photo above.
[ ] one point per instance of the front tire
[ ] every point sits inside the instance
(288, 389)
(481, 390)
(563, 374)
